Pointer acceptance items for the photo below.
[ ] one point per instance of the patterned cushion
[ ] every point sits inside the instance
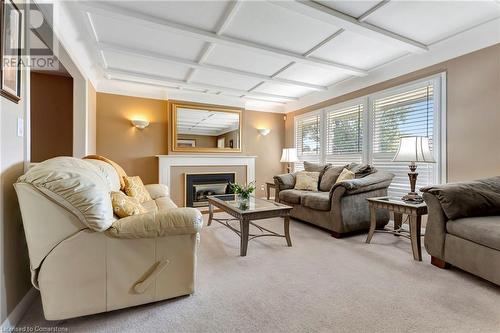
(124, 205)
(345, 175)
(135, 188)
(307, 181)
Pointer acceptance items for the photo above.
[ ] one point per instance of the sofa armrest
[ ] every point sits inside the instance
(177, 221)
(285, 181)
(374, 181)
(435, 229)
(157, 190)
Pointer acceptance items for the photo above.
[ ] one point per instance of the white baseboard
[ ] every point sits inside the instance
(15, 316)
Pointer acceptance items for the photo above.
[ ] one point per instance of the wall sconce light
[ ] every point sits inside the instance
(140, 124)
(264, 131)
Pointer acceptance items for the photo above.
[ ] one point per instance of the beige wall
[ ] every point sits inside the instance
(51, 116)
(473, 111)
(14, 263)
(135, 149)
(132, 148)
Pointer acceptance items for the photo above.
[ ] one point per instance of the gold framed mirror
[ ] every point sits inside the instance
(205, 128)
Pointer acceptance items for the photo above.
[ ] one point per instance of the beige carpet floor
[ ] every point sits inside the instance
(321, 284)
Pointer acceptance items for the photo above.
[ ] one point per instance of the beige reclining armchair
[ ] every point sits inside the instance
(85, 260)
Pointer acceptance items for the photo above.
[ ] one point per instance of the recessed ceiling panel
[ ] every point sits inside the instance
(147, 66)
(358, 51)
(224, 79)
(353, 8)
(278, 89)
(313, 74)
(431, 21)
(268, 24)
(200, 14)
(144, 38)
(245, 60)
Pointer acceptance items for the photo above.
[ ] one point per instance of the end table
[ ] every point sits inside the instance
(269, 186)
(399, 207)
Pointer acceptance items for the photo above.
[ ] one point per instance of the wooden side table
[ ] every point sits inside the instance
(269, 186)
(399, 207)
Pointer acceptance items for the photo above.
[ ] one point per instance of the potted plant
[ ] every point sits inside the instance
(243, 191)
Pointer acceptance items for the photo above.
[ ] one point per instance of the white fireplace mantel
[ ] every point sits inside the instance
(168, 161)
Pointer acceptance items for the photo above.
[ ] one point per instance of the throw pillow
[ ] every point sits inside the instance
(135, 188)
(307, 181)
(330, 177)
(124, 205)
(345, 175)
(314, 167)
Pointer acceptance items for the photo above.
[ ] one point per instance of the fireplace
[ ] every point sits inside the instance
(199, 186)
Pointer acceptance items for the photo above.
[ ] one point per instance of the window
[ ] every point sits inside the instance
(344, 135)
(367, 130)
(410, 112)
(307, 139)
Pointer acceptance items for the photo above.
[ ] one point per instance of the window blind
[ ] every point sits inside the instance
(344, 135)
(410, 112)
(307, 140)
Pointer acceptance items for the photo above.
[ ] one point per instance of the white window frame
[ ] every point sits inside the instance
(439, 129)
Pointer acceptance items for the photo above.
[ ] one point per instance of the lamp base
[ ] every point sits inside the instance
(412, 197)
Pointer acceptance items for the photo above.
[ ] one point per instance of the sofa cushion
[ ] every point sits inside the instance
(160, 204)
(484, 230)
(292, 196)
(361, 170)
(78, 186)
(317, 200)
(119, 170)
(306, 180)
(330, 177)
(314, 167)
(468, 199)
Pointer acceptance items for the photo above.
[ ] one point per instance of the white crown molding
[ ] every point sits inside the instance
(479, 37)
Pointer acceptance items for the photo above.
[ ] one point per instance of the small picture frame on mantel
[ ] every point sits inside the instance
(10, 50)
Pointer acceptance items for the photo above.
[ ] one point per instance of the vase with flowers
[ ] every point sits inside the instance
(243, 192)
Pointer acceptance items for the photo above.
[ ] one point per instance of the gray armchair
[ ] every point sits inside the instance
(463, 227)
(341, 210)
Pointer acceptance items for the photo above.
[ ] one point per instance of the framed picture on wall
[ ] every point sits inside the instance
(10, 47)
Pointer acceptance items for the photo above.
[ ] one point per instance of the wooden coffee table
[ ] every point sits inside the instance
(245, 213)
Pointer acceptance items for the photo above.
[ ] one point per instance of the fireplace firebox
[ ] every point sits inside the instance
(198, 186)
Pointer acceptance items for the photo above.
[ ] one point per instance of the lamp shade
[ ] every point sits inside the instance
(289, 155)
(414, 149)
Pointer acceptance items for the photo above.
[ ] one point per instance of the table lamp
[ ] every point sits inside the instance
(413, 149)
(289, 155)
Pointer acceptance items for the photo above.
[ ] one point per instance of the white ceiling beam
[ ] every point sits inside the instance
(196, 65)
(155, 79)
(132, 17)
(224, 22)
(373, 10)
(328, 15)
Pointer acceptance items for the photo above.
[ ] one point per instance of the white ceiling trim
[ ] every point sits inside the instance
(104, 46)
(208, 36)
(372, 10)
(479, 37)
(145, 78)
(336, 18)
(229, 14)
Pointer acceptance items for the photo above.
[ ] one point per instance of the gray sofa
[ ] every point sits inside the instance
(463, 227)
(341, 208)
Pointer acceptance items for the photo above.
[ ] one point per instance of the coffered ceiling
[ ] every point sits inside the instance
(260, 54)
